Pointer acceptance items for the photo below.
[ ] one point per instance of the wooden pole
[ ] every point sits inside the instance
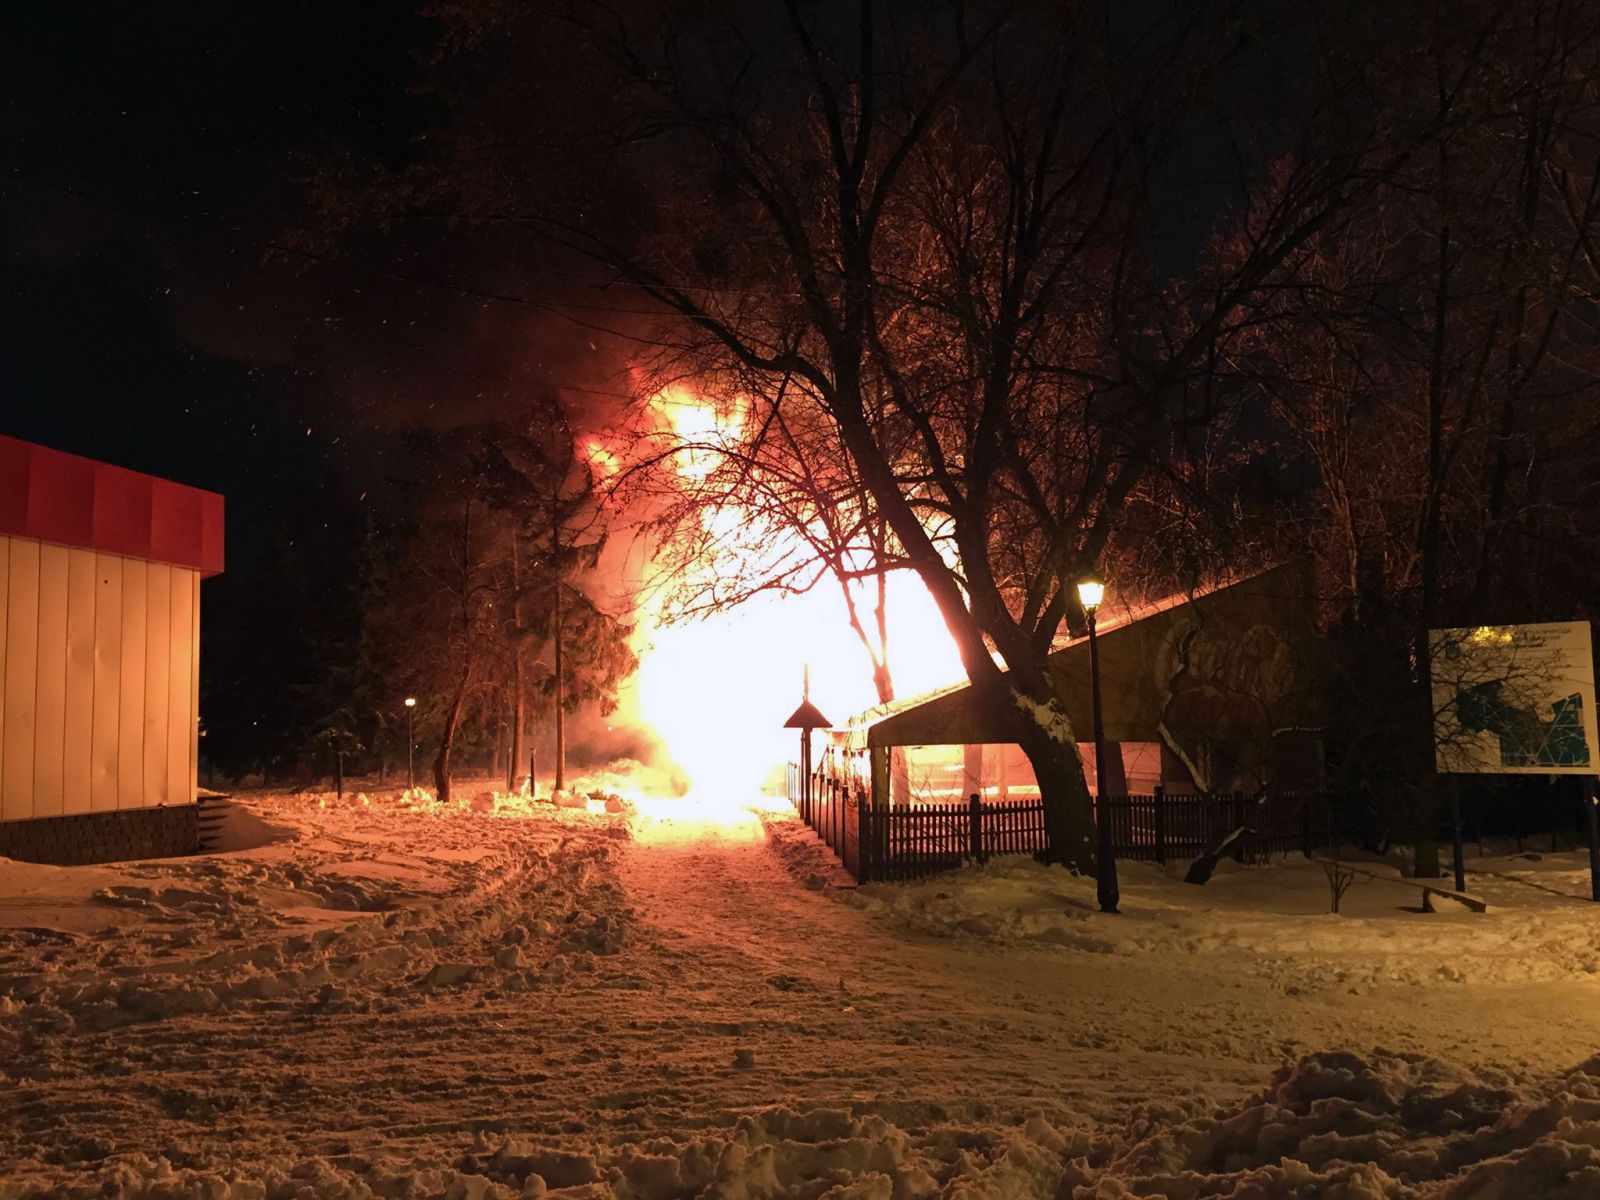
(1159, 802)
(518, 691)
(1590, 803)
(1455, 835)
(805, 775)
(560, 681)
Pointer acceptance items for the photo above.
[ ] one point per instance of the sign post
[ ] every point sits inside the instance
(1591, 802)
(1455, 836)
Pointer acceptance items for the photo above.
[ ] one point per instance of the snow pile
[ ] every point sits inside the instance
(1273, 920)
(1333, 1126)
(335, 912)
(242, 828)
(776, 1154)
(1008, 900)
(405, 999)
(1391, 1125)
(803, 854)
(614, 788)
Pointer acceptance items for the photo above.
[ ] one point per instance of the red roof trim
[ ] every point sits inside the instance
(52, 496)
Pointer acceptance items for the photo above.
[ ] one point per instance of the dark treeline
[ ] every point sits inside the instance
(476, 602)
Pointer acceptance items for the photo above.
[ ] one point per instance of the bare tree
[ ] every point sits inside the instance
(964, 234)
(959, 211)
(436, 621)
(485, 610)
(532, 472)
(1340, 878)
(1430, 352)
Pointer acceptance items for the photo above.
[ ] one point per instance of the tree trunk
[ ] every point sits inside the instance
(447, 738)
(452, 714)
(561, 716)
(556, 639)
(1429, 544)
(1044, 734)
(1068, 813)
(518, 697)
(882, 680)
(1426, 863)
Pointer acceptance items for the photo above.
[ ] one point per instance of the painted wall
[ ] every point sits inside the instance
(99, 680)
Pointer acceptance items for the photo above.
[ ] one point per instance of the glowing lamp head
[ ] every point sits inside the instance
(1091, 591)
(411, 701)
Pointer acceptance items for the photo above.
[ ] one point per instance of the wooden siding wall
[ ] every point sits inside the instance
(100, 666)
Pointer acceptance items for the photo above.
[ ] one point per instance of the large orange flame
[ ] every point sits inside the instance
(717, 691)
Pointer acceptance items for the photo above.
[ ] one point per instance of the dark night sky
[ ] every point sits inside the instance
(155, 160)
(153, 156)
(149, 164)
(152, 160)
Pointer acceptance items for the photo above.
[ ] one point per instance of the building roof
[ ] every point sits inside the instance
(807, 716)
(1230, 656)
(52, 496)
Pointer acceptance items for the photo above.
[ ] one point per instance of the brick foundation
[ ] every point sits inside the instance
(82, 838)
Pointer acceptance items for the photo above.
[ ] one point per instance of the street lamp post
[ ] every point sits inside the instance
(1091, 591)
(411, 742)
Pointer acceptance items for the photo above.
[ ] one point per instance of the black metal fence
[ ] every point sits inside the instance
(907, 841)
(1159, 826)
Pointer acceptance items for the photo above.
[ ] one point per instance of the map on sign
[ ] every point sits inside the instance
(1514, 700)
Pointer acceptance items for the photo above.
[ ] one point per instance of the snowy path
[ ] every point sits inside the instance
(879, 1017)
(389, 999)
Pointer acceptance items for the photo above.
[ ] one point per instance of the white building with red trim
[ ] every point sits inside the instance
(100, 571)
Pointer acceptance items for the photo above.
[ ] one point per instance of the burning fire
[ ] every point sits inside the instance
(717, 691)
(601, 458)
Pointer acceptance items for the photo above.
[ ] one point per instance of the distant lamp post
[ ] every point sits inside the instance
(411, 742)
(1091, 591)
(806, 718)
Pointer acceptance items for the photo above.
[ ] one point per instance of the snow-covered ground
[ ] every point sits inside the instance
(381, 997)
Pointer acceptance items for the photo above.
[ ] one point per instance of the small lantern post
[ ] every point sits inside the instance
(806, 718)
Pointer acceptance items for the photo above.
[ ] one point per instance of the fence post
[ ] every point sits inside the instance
(864, 832)
(832, 818)
(975, 827)
(838, 820)
(1160, 798)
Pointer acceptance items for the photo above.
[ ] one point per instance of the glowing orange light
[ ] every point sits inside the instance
(703, 429)
(716, 691)
(602, 461)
